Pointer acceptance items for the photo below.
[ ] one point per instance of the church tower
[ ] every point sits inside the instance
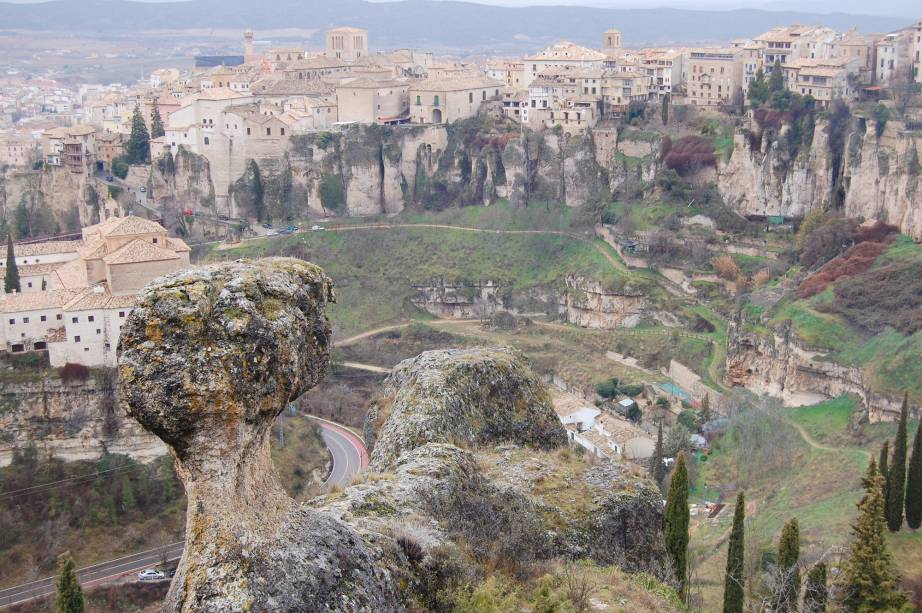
(248, 56)
(612, 40)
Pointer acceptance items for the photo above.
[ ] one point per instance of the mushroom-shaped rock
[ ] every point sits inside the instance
(207, 360)
(461, 396)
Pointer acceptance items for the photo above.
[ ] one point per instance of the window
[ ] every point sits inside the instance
(121, 314)
(86, 349)
(74, 320)
(248, 131)
(91, 318)
(207, 141)
(283, 129)
(25, 320)
(98, 331)
(436, 101)
(12, 322)
(30, 284)
(268, 131)
(76, 339)
(155, 242)
(59, 316)
(43, 318)
(470, 97)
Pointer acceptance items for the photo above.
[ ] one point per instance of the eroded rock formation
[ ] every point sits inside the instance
(469, 461)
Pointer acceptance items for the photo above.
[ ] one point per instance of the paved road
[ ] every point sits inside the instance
(349, 459)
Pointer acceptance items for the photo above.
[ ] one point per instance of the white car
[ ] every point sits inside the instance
(316, 228)
(150, 574)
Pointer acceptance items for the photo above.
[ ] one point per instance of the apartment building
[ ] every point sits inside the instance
(893, 56)
(72, 148)
(368, 101)
(713, 77)
(824, 80)
(565, 55)
(448, 100)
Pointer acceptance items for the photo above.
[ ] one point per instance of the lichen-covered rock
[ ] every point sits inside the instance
(207, 360)
(461, 396)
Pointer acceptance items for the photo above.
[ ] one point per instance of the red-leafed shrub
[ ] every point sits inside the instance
(878, 232)
(688, 153)
(858, 259)
(74, 372)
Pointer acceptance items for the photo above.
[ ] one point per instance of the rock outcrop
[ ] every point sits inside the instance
(589, 304)
(469, 461)
(778, 365)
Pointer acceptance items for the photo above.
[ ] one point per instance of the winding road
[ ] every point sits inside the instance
(349, 459)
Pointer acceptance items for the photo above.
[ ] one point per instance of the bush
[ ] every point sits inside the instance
(632, 390)
(830, 239)
(119, 167)
(881, 116)
(857, 259)
(688, 154)
(332, 193)
(607, 389)
(74, 372)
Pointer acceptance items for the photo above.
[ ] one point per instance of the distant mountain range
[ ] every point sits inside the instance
(440, 26)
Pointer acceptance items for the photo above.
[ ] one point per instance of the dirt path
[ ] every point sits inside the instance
(436, 322)
(808, 438)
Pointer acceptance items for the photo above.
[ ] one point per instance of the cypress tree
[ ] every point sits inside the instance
(870, 582)
(664, 111)
(776, 78)
(677, 519)
(657, 469)
(11, 281)
(704, 415)
(156, 122)
(138, 147)
(70, 596)
(914, 483)
(733, 586)
(883, 465)
(896, 478)
(816, 594)
(788, 559)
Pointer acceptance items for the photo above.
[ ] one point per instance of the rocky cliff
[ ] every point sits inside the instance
(467, 466)
(589, 304)
(52, 200)
(870, 176)
(71, 420)
(778, 365)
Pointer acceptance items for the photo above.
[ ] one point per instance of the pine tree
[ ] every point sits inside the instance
(816, 594)
(70, 596)
(896, 477)
(677, 518)
(776, 78)
(733, 586)
(156, 122)
(914, 483)
(11, 282)
(657, 469)
(664, 111)
(870, 582)
(138, 147)
(883, 465)
(788, 560)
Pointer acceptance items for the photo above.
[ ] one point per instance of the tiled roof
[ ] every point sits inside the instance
(442, 85)
(565, 50)
(94, 299)
(139, 251)
(48, 248)
(34, 270)
(177, 244)
(93, 249)
(34, 301)
(71, 275)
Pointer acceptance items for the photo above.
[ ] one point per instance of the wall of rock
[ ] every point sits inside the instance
(70, 420)
(779, 366)
(589, 304)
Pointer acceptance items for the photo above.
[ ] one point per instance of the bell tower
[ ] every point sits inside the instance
(611, 40)
(248, 46)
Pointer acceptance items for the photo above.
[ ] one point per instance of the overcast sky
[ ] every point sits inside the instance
(904, 8)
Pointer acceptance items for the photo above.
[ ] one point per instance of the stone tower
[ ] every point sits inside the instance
(248, 55)
(612, 40)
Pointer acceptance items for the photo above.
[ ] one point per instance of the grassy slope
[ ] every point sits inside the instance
(818, 486)
(375, 269)
(890, 360)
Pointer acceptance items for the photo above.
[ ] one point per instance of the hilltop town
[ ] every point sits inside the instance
(698, 260)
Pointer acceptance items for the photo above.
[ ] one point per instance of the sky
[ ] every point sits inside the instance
(904, 8)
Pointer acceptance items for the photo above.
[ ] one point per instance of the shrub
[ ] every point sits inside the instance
(332, 193)
(857, 259)
(119, 167)
(726, 268)
(830, 239)
(688, 154)
(632, 390)
(607, 389)
(74, 372)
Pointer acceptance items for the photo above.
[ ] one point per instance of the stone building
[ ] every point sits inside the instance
(83, 290)
(368, 101)
(713, 77)
(448, 100)
(347, 43)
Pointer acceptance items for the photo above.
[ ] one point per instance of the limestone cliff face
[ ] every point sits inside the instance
(781, 367)
(58, 200)
(767, 182)
(458, 299)
(208, 359)
(884, 179)
(880, 176)
(588, 304)
(74, 420)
